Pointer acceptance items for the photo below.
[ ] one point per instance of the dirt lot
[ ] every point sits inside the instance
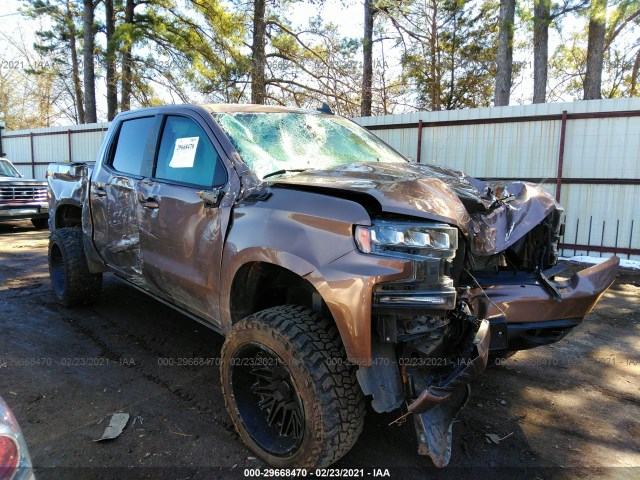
(566, 411)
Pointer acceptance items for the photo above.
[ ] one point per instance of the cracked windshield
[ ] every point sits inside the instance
(271, 141)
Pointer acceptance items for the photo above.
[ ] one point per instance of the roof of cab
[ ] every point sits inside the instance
(252, 108)
(219, 108)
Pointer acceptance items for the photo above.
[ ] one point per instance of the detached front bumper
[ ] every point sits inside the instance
(437, 406)
(526, 312)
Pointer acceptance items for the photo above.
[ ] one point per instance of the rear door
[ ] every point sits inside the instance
(114, 202)
(184, 214)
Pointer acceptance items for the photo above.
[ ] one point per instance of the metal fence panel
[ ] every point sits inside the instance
(18, 150)
(85, 147)
(50, 148)
(32, 150)
(600, 174)
(603, 148)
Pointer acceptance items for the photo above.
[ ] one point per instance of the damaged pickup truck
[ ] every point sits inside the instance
(335, 268)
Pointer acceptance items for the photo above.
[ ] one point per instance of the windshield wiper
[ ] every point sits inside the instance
(280, 172)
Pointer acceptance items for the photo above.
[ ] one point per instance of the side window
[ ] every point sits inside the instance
(186, 155)
(131, 144)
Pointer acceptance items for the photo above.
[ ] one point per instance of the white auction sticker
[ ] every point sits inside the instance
(184, 153)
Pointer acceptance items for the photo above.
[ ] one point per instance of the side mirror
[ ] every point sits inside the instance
(211, 198)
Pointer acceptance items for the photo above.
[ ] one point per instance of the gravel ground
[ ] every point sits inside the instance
(570, 409)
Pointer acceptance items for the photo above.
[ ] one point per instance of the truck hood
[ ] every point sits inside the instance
(492, 215)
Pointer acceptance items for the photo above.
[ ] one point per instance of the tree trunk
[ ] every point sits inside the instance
(88, 68)
(75, 66)
(541, 22)
(367, 61)
(110, 58)
(504, 60)
(634, 76)
(595, 50)
(435, 60)
(127, 59)
(258, 55)
(452, 71)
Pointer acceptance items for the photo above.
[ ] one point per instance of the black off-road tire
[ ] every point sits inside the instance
(332, 402)
(71, 279)
(40, 223)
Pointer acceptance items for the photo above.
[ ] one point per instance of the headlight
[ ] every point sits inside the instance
(435, 240)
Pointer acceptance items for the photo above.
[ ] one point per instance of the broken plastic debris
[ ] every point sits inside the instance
(116, 426)
(495, 438)
(137, 418)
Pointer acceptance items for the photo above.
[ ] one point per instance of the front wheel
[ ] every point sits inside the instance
(287, 386)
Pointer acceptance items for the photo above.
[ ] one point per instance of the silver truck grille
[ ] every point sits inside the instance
(24, 193)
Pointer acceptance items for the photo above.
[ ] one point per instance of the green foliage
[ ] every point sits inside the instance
(567, 66)
(47, 64)
(313, 65)
(433, 54)
(451, 62)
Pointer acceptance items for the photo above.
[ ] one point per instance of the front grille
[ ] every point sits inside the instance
(23, 194)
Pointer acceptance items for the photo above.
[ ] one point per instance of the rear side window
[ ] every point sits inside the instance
(187, 156)
(130, 147)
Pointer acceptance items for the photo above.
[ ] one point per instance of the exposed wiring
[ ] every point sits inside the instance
(485, 293)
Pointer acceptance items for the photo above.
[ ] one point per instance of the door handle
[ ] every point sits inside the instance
(148, 202)
(100, 191)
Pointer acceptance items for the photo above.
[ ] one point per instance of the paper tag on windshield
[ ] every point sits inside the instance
(184, 153)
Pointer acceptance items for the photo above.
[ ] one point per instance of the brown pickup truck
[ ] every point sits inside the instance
(336, 269)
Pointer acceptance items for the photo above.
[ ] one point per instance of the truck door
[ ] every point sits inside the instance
(183, 215)
(114, 205)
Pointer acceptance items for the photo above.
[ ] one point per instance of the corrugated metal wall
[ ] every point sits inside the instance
(505, 144)
(604, 149)
(32, 150)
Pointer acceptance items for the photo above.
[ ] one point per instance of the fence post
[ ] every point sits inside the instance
(419, 154)
(563, 129)
(33, 159)
(1, 151)
(69, 144)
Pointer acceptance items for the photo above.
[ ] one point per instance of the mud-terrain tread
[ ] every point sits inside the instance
(318, 343)
(82, 286)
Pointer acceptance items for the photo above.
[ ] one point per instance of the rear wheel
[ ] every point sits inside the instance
(40, 223)
(290, 393)
(71, 279)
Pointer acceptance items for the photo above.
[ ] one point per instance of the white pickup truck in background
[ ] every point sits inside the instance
(22, 197)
